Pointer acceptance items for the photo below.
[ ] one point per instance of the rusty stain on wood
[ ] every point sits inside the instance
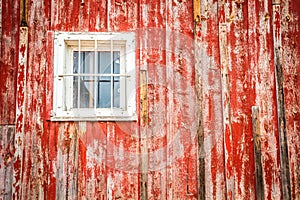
(144, 135)
(143, 93)
(23, 12)
(258, 153)
(197, 10)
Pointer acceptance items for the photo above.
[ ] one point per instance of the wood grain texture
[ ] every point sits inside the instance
(6, 160)
(289, 36)
(259, 181)
(9, 60)
(200, 68)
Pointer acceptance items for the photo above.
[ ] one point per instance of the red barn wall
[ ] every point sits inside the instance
(205, 69)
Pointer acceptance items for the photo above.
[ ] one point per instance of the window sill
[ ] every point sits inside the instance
(94, 118)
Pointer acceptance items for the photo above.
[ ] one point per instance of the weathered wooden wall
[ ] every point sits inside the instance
(218, 100)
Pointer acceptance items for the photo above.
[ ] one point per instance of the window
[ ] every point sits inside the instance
(94, 76)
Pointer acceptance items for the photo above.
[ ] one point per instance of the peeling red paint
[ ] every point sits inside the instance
(9, 61)
(214, 70)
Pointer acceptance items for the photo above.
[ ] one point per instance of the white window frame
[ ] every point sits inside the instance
(65, 43)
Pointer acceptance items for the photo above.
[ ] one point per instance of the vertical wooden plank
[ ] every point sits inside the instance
(228, 142)
(184, 136)
(144, 135)
(212, 151)
(9, 60)
(2, 160)
(261, 66)
(200, 120)
(113, 175)
(48, 98)
(256, 10)
(239, 142)
(0, 27)
(86, 161)
(170, 45)
(53, 153)
(258, 153)
(290, 63)
(7, 134)
(92, 177)
(33, 181)
(67, 162)
(61, 173)
(73, 161)
(154, 59)
(50, 127)
(180, 80)
(156, 133)
(20, 112)
(199, 110)
(126, 164)
(284, 157)
(143, 96)
(185, 140)
(170, 175)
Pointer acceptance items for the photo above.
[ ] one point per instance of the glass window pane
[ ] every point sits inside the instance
(87, 92)
(75, 62)
(104, 58)
(104, 92)
(116, 64)
(87, 62)
(87, 84)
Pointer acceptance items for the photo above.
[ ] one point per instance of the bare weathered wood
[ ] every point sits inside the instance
(199, 95)
(144, 135)
(200, 127)
(257, 153)
(284, 157)
(282, 130)
(67, 162)
(7, 134)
